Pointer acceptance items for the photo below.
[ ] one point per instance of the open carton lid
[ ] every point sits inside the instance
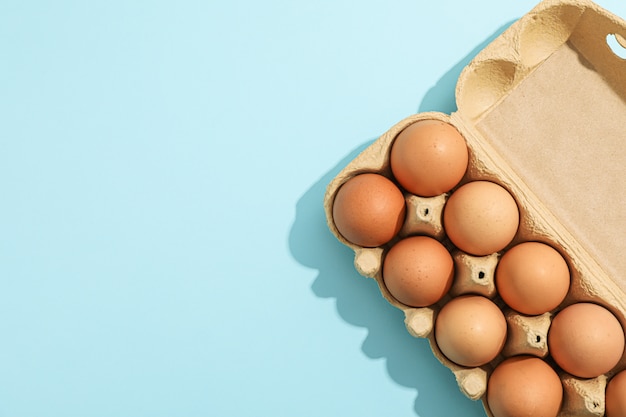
(545, 106)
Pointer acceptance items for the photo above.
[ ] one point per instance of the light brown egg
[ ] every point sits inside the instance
(586, 340)
(616, 396)
(524, 386)
(481, 218)
(369, 210)
(470, 330)
(429, 158)
(418, 271)
(532, 278)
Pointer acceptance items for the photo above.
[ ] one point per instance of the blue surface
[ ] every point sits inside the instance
(163, 246)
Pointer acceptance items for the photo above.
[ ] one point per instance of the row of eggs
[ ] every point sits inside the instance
(430, 158)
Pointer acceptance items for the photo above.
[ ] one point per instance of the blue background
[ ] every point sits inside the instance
(163, 247)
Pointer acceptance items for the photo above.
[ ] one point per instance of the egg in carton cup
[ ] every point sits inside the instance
(499, 229)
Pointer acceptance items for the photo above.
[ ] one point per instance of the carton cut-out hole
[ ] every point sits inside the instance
(617, 44)
(481, 275)
(538, 338)
(426, 211)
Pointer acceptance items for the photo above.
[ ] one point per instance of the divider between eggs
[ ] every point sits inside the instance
(526, 334)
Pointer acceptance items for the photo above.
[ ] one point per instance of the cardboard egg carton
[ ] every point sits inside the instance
(543, 112)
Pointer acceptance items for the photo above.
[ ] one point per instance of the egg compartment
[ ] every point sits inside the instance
(549, 85)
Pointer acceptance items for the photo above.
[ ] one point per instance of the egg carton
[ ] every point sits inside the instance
(543, 110)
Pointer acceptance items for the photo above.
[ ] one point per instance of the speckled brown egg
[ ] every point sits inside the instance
(429, 157)
(369, 210)
(616, 396)
(524, 386)
(481, 218)
(418, 271)
(470, 330)
(586, 340)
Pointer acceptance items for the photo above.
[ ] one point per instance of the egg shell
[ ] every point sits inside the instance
(586, 340)
(481, 217)
(532, 278)
(429, 157)
(418, 271)
(616, 396)
(524, 386)
(369, 210)
(470, 330)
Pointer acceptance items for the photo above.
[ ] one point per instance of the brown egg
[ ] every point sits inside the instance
(470, 330)
(369, 210)
(524, 386)
(586, 340)
(429, 158)
(481, 218)
(616, 396)
(532, 278)
(418, 271)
